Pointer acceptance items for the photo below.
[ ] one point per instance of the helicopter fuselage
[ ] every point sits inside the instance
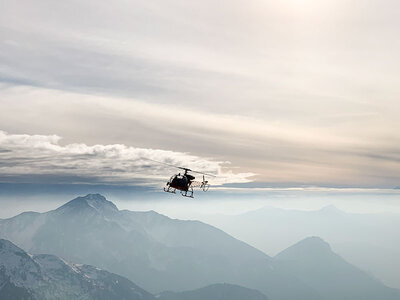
(181, 182)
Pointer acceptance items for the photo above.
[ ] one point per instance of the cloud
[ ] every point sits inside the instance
(279, 152)
(281, 89)
(41, 158)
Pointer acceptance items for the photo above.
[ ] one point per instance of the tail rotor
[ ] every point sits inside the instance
(204, 185)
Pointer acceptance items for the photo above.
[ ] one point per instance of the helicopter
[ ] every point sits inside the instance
(185, 182)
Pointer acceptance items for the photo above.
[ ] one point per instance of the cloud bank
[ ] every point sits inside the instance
(41, 158)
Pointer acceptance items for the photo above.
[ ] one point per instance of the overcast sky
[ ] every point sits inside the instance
(287, 93)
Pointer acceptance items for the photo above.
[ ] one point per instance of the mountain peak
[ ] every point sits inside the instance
(312, 247)
(99, 201)
(315, 242)
(331, 209)
(95, 201)
(96, 196)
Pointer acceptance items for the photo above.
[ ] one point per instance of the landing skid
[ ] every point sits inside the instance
(188, 193)
(169, 190)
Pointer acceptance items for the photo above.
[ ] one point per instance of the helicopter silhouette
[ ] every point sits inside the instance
(185, 182)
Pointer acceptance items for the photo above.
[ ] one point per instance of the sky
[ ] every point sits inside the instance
(294, 93)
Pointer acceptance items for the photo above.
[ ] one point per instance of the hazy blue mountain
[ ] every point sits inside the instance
(42, 277)
(215, 292)
(370, 241)
(152, 250)
(318, 266)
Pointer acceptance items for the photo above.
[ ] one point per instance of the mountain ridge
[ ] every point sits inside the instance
(159, 253)
(56, 278)
(221, 291)
(152, 250)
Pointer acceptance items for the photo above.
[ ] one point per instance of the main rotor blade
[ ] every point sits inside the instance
(163, 163)
(182, 168)
(203, 173)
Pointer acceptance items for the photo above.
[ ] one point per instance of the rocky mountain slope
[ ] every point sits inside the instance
(41, 277)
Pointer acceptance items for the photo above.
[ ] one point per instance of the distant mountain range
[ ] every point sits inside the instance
(152, 250)
(318, 266)
(366, 240)
(159, 253)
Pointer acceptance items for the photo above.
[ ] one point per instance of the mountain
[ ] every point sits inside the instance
(356, 237)
(159, 254)
(30, 277)
(318, 266)
(33, 277)
(215, 292)
(152, 250)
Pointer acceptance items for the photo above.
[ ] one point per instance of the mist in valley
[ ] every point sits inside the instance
(282, 252)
